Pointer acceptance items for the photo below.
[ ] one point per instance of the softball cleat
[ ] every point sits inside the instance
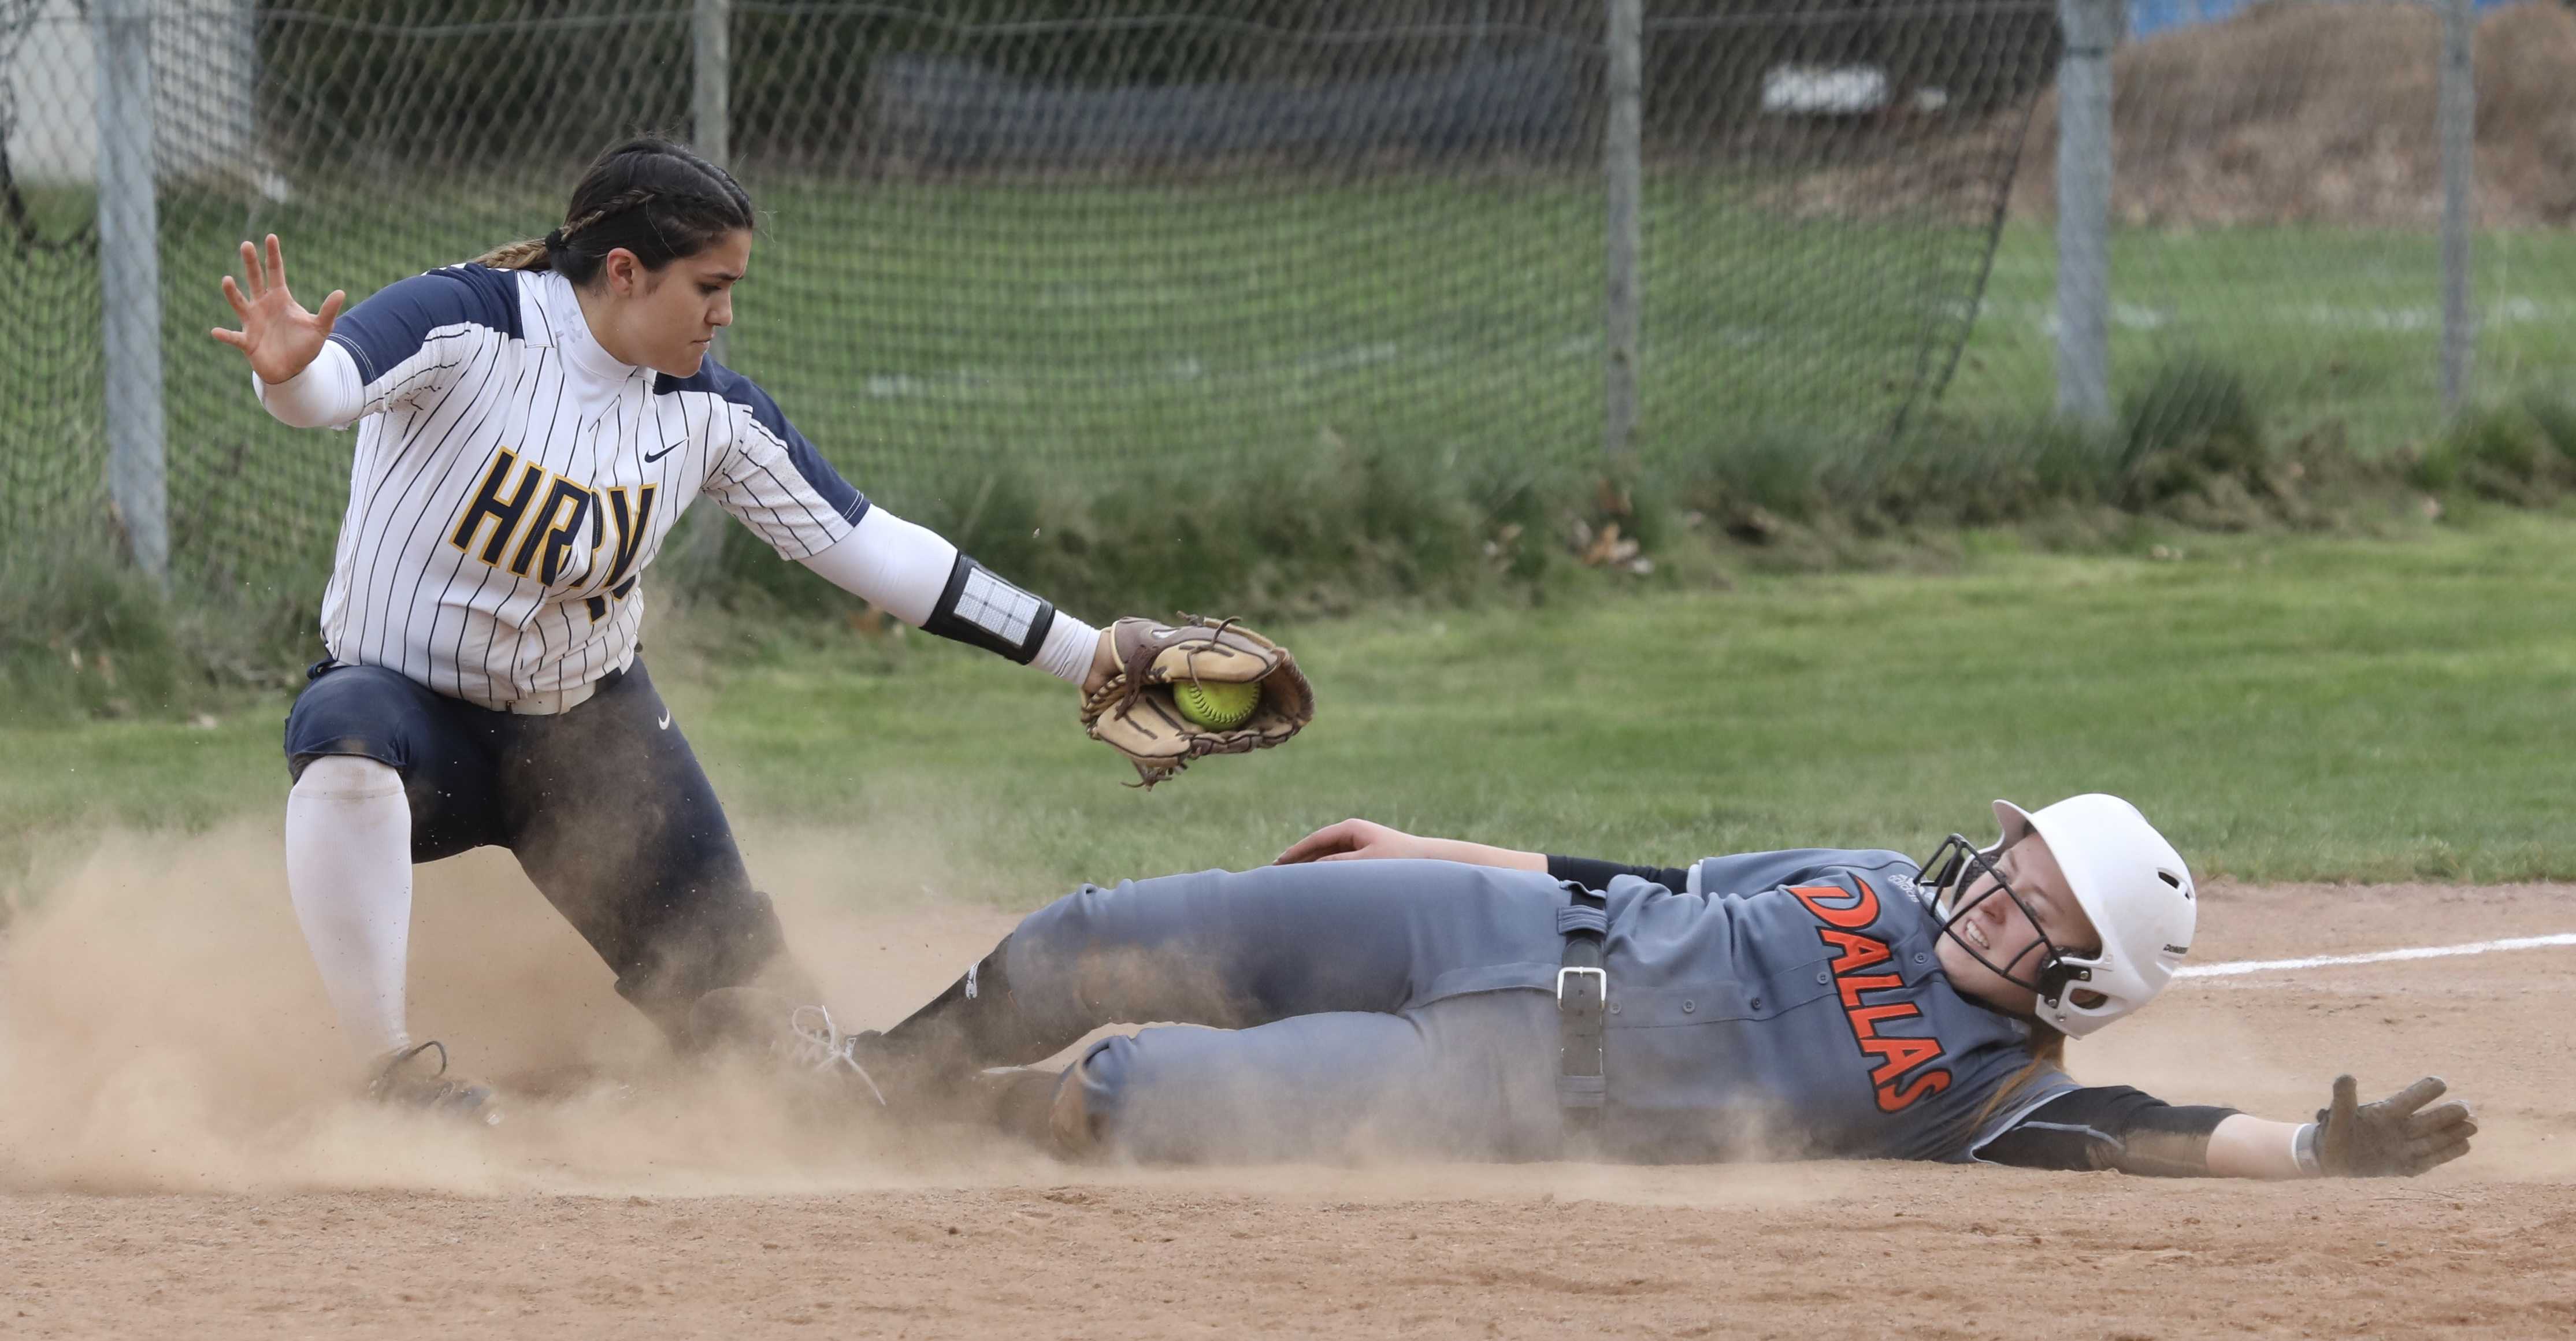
(400, 1082)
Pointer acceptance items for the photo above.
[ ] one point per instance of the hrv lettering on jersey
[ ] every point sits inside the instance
(1844, 915)
(528, 521)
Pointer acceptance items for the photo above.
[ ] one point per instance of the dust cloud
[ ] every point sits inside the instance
(161, 1029)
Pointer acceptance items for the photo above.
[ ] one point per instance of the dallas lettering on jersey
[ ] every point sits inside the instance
(519, 534)
(1853, 951)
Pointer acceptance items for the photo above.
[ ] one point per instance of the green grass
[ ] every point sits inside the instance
(2287, 708)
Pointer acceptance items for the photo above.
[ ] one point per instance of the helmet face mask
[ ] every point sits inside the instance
(1958, 865)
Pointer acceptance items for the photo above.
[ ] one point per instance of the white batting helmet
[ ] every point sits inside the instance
(2135, 889)
(2131, 884)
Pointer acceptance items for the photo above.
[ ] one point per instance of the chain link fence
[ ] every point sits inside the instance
(2276, 216)
(52, 455)
(1056, 239)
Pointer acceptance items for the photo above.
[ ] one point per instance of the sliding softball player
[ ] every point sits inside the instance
(1377, 992)
(530, 428)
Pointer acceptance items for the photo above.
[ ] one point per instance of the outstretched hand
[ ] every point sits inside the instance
(279, 337)
(2396, 1137)
(1354, 840)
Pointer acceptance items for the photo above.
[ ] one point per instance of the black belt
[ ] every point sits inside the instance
(1582, 1009)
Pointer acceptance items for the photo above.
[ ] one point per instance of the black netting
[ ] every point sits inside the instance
(50, 385)
(1051, 237)
(1041, 237)
(1824, 182)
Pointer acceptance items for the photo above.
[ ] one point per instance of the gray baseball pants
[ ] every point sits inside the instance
(1339, 1010)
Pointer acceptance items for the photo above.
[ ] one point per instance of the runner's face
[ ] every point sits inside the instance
(2005, 935)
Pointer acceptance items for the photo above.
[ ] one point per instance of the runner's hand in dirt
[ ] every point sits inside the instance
(2396, 1137)
(1366, 840)
(278, 336)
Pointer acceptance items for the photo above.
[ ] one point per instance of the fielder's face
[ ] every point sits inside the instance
(2005, 935)
(665, 319)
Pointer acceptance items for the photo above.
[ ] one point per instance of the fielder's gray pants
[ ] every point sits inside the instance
(1353, 1009)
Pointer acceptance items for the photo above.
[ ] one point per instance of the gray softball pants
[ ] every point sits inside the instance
(1344, 1010)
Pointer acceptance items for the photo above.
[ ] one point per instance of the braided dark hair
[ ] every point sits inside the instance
(649, 195)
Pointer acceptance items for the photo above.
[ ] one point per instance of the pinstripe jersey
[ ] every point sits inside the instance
(512, 481)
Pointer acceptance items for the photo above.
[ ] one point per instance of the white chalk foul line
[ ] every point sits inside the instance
(2240, 967)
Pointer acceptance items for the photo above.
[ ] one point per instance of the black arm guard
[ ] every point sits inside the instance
(2111, 1127)
(981, 610)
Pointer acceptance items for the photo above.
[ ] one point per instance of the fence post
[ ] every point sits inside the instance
(700, 550)
(711, 93)
(129, 264)
(1622, 164)
(2458, 130)
(2084, 209)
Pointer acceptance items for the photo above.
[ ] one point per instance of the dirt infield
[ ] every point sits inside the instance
(174, 1158)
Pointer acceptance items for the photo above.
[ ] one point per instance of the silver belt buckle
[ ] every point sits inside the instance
(1602, 973)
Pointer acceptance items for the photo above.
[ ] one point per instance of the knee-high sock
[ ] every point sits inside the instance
(348, 870)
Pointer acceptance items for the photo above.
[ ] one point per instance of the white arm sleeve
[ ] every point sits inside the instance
(1066, 653)
(327, 394)
(903, 569)
(890, 563)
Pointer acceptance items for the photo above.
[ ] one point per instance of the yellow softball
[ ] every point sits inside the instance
(1216, 705)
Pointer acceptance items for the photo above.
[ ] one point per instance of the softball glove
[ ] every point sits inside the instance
(1131, 708)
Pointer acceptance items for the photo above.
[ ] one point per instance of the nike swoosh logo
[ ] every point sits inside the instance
(651, 457)
(666, 719)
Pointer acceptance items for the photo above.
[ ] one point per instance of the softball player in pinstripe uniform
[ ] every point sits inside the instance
(530, 428)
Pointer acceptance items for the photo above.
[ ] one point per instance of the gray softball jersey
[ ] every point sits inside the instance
(1794, 999)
